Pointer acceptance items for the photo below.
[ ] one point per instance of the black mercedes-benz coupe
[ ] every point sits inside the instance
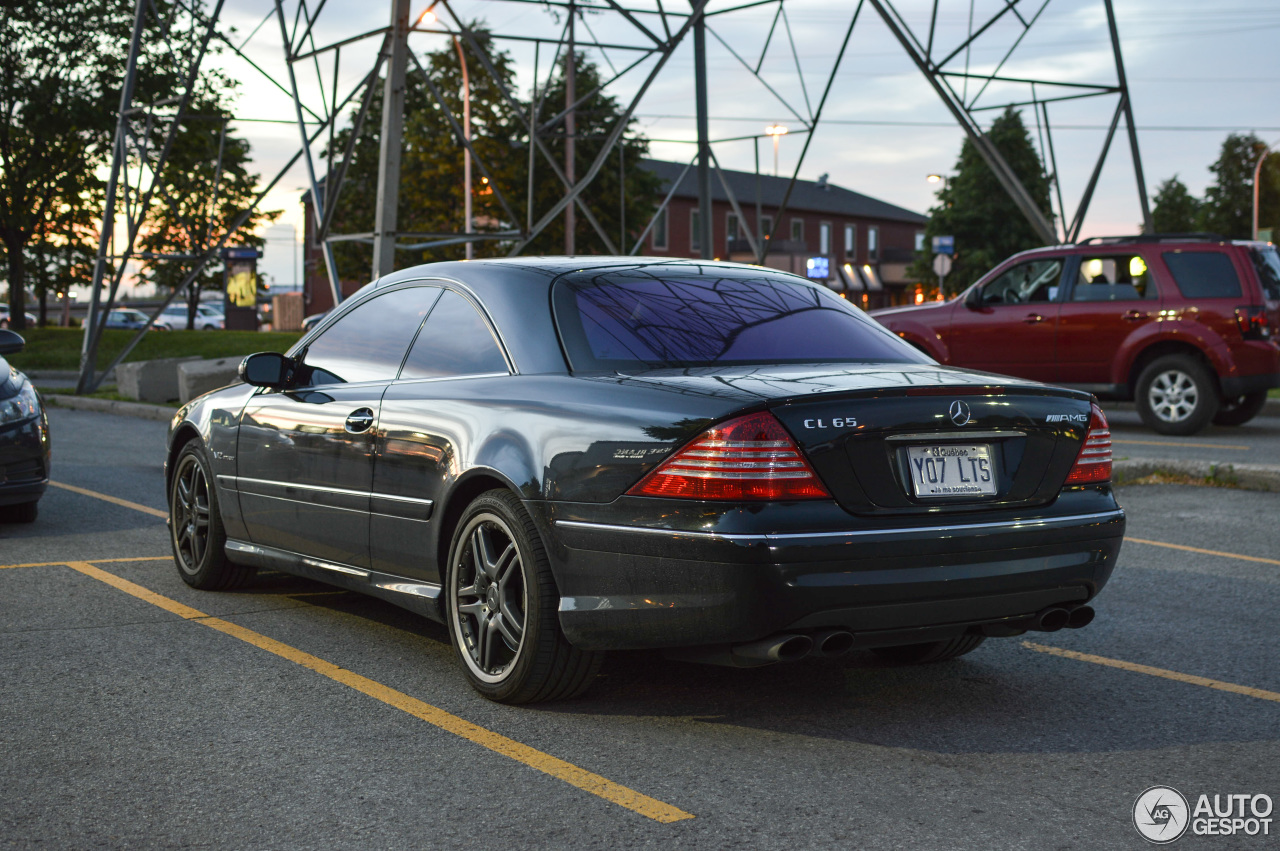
(24, 439)
(561, 456)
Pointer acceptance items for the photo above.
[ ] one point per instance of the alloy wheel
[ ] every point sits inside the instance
(489, 599)
(189, 515)
(1173, 396)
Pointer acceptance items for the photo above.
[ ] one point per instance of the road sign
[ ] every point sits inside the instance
(941, 265)
(944, 245)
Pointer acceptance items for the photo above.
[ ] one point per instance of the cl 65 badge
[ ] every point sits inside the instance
(836, 422)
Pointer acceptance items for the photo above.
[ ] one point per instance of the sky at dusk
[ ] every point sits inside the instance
(1194, 75)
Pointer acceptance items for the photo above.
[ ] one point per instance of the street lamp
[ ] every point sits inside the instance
(466, 148)
(777, 131)
(1257, 173)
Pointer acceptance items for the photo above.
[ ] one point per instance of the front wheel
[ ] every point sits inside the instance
(195, 526)
(502, 603)
(1238, 410)
(1176, 395)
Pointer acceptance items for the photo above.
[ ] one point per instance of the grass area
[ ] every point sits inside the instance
(108, 391)
(1162, 478)
(59, 348)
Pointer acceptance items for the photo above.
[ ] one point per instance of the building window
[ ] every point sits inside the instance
(797, 230)
(919, 240)
(766, 227)
(659, 233)
(695, 230)
(824, 238)
(850, 241)
(873, 242)
(730, 232)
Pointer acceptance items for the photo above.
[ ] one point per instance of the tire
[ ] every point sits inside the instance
(195, 526)
(23, 512)
(499, 593)
(930, 651)
(1176, 395)
(1240, 409)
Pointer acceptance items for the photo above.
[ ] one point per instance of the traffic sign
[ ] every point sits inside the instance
(944, 245)
(941, 265)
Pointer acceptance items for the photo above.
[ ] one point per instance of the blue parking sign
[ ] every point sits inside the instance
(944, 245)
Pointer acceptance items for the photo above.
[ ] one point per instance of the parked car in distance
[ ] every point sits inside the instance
(556, 457)
(127, 318)
(4, 316)
(24, 439)
(1185, 325)
(174, 318)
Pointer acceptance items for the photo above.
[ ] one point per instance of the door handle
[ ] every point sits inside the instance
(359, 421)
(1033, 318)
(1134, 316)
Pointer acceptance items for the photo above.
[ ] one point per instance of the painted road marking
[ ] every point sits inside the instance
(1261, 694)
(155, 512)
(90, 561)
(1203, 552)
(568, 772)
(1186, 444)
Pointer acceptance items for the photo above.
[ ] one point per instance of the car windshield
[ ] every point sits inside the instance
(677, 317)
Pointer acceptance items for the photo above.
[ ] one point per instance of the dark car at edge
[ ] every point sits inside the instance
(558, 457)
(24, 439)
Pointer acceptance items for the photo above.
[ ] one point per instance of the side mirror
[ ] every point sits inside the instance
(266, 369)
(10, 342)
(973, 298)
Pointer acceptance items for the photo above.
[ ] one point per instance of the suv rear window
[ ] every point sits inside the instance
(1267, 263)
(676, 318)
(1203, 274)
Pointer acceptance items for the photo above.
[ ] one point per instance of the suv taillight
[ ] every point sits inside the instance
(1253, 322)
(747, 458)
(1093, 464)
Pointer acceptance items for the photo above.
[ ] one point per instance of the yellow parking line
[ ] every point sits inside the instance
(1203, 552)
(88, 561)
(568, 772)
(1187, 444)
(1248, 691)
(155, 512)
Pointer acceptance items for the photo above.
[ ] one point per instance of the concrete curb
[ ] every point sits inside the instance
(110, 406)
(1254, 477)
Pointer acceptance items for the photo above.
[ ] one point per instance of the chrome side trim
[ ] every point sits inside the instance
(246, 549)
(342, 499)
(959, 434)
(429, 590)
(774, 538)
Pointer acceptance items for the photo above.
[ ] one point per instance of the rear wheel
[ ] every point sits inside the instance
(1176, 395)
(930, 651)
(1238, 410)
(502, 602)
(195, 526)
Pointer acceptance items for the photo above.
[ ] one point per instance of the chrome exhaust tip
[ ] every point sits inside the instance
(776, 648)
(832, 642)
(1080, 616)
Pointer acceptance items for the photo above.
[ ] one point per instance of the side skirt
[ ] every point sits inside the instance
(420, 597)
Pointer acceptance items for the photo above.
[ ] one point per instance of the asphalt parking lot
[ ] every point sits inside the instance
(136, 712)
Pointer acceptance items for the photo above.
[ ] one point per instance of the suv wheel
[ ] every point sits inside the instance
(501, 605)
(1240, 409)
(1176, 395)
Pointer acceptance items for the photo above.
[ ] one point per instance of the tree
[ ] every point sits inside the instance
(1228, 202)
(204, 186)
(1173, 208)
(431, 169)
(974, 208)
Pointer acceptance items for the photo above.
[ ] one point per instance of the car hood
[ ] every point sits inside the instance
(750, 384)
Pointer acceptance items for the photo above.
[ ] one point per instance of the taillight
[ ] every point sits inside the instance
(1093, 464)
(747, 458)
(1253, 322)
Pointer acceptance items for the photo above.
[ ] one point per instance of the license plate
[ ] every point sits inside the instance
(939, 471)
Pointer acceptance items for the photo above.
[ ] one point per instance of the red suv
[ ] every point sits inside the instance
(1183, 324)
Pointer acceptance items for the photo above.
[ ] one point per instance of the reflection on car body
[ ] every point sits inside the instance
(557, 457)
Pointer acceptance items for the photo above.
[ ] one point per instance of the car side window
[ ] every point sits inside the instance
(1113, 277)
(1034, 281)
(455, 340)
(1203, 274)
(368, 344)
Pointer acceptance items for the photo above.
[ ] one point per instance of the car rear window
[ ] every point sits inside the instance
(682, 317)
(1203, 274)
(1267, 263)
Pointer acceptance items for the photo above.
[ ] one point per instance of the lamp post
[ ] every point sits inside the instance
(777, 131)
(1257, 173)
(466, 149)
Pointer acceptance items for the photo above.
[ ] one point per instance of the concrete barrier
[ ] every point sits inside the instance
(150, 380)
(196, 378)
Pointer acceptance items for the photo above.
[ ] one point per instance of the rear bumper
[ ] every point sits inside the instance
(635, 587)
